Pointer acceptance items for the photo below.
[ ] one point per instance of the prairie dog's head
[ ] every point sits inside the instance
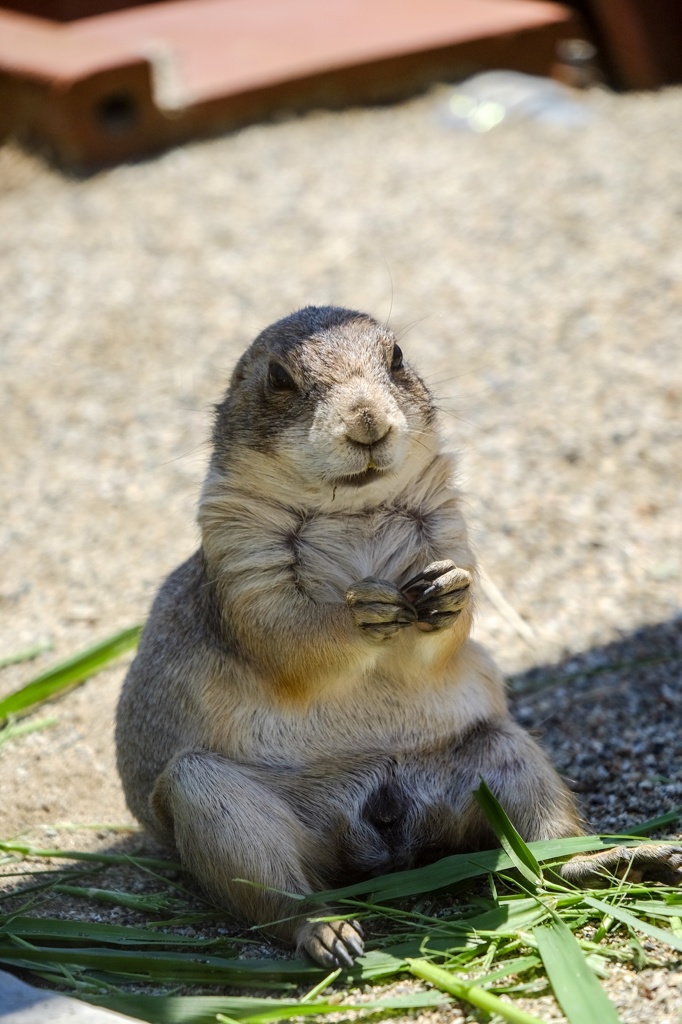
(323, 406)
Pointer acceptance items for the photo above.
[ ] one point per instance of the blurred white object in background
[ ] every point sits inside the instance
(493, 98)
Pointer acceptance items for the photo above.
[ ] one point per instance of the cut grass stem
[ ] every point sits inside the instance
(26, 850)
(28, 655)
(446, 981)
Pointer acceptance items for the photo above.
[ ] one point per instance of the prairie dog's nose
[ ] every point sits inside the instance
(366, 426)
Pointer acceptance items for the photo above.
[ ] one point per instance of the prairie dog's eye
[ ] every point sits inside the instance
(280, 379)
(397, 358)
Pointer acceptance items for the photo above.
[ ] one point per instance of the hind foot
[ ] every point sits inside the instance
(652, 862)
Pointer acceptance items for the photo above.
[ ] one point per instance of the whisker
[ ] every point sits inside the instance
(419, 436)
(203, 445)
(453, 416)
(390, 277)
(431, 377)
(414, 323)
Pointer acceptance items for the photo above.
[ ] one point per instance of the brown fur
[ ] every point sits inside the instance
(301, 712)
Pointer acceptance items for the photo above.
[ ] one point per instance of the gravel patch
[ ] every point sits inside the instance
(536, 277)
(611, 718)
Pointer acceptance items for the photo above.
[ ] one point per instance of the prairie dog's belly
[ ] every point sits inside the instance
(369, 717)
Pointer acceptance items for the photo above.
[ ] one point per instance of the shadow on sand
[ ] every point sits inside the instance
(611, 720)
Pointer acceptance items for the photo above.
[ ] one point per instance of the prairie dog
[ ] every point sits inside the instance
(306, 706)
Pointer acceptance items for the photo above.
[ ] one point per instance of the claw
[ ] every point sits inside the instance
(431, 572)
(320, 954)
(342, 955)
(438, 600)
(355, 944)
(437, 620)
(452, 601)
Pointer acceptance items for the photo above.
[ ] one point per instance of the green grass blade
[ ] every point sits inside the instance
(203, 1009)
(155, 903)
(98, 858)
(461, 989)
(12, 730)
(377, 964)
(515, 965)
(575, 986)
(321, 986)
(654, 908)
(458, 868)
(512, 843)
(22, 656)
(625, 917)
(436, 945)
(118, 966)
(69, 673)
(178, 968)
(38, 930)
(508, 917)
(643, 829)
(416, 1000)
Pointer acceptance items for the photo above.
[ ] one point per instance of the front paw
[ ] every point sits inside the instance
(379, 608)
(438, 593)
(331, 943)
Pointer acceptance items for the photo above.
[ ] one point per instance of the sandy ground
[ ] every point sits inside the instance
(536, 275)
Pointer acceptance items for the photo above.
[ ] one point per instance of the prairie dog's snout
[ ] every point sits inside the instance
(367, 424)
(362, 424)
